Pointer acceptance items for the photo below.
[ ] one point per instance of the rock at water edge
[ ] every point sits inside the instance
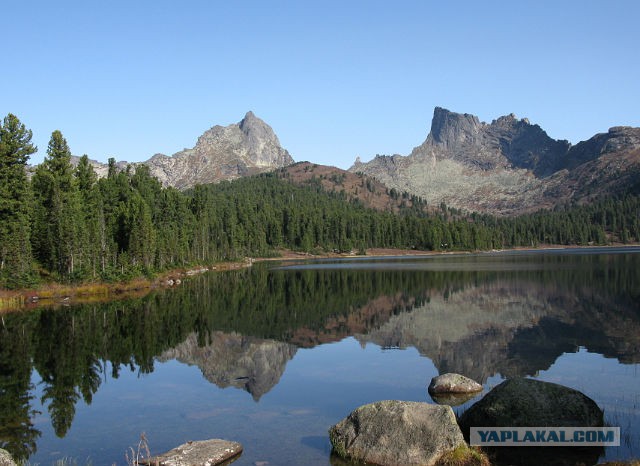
(523, 402)
(453, 383)
(397, 433)
(201, 453)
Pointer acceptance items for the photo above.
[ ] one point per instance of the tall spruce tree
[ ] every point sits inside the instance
(142, 234)
(93, 217)
(15, 201)
(59, 226)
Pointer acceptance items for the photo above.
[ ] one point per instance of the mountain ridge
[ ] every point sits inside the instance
(507, 167)
(221, 153)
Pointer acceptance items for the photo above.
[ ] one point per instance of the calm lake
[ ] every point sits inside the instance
(273, 355)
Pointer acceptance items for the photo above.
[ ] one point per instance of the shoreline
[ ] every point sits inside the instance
(59, 295)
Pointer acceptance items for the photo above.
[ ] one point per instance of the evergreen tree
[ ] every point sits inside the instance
(127, 223)
(86, 175)
(142, 237)
(58, 221)
(93, 216)
(17, 431)
(15, 200)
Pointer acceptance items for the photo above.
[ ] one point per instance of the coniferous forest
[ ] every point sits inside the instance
(64, 224)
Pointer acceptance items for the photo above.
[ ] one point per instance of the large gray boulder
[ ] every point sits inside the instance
(523, 402)
(397, 433)
(201, 453)
(453, 383)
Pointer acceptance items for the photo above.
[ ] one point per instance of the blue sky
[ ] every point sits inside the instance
(333, 79)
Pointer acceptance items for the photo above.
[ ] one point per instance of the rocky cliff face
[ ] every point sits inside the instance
(508, 166)
(223, 153)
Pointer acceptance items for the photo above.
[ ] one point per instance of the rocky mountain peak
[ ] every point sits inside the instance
(223, 153)
(263, 142)
(251, 120)
(622, 138)
(252, 126)
(451, 130)
(507, 121)
(509, 166)
(619, 139)
(508, 142)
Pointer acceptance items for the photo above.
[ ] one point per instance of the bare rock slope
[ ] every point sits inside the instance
(223, 153)
(509, 166)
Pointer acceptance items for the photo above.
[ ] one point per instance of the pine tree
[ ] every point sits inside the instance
(86, 175)
(59, 225)
(15, 200)
(142, 241)
(93, 217)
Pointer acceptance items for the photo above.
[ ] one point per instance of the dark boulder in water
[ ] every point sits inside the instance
(523, 402)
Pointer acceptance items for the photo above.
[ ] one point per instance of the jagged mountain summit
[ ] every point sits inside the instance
(509, 166)
(223, 153)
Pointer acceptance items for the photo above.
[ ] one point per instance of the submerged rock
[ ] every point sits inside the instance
(397, 433)
(200, 453)
(453, 383)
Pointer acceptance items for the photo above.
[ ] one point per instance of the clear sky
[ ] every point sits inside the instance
(335, 79)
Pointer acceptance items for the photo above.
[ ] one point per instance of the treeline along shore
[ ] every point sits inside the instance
(64, 225)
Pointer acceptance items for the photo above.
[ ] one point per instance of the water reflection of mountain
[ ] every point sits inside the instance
(475, 323)
(479, 316)
(512, 329)
(241, 328)
(232, 360)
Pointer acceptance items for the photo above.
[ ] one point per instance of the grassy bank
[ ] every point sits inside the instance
(56, 294)
(52, 294)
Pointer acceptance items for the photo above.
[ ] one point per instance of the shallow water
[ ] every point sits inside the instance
(272, 356)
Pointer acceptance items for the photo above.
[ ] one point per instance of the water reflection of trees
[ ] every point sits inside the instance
(70, 347)
(519, 322)
(17, 433)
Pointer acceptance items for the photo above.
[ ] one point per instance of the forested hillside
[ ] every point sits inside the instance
(67, 225)
(353, 186)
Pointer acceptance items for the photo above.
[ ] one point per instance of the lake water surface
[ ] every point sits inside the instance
(273, 355)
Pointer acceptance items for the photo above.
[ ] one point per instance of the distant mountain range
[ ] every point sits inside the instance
(221, 153)
(507, 167)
